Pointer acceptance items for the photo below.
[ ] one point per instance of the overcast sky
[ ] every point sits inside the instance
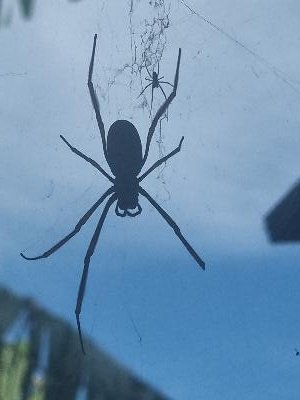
(226, 333)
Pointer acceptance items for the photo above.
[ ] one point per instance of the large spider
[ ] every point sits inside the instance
(155, 80)
(123, 153)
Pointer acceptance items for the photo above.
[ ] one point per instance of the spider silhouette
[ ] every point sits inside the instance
(155, 81)
(123, 153)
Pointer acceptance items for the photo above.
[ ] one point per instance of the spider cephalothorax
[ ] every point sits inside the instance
(123, 152)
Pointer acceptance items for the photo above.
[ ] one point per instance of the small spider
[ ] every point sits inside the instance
(123, 153)
(155, 81)
(297, 352)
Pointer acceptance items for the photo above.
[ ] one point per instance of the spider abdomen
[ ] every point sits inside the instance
(124, 149)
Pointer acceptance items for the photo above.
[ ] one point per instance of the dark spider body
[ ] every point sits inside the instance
(124, 157)
(122, 150)
(155, 83)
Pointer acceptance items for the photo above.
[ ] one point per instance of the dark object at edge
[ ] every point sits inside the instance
(283, 222)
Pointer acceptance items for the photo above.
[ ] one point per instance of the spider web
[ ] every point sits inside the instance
(148, 25)
(147, 49)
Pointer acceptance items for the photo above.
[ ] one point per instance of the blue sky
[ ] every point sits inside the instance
(228, 332)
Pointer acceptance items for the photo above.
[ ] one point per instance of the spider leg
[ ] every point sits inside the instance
(162, 91)
(168, 83)
(148, 71)
(151, 98)
(77, 228)
(161, 77)
(158, 69)
(87, 260)
(162, 109)
(144, 89)
(148, 79)
(88, 159)
(94, 99)
(164, 97)
(175, 227)
(162, 160)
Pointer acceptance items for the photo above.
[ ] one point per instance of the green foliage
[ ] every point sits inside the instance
(24, 377)
(13, 367)
(13, 364)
